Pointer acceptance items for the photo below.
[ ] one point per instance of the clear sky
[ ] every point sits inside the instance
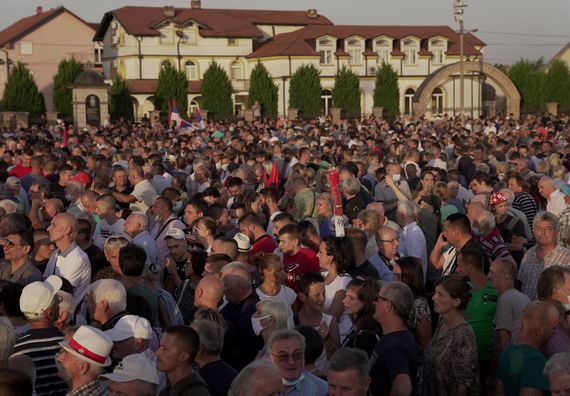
(511, 28)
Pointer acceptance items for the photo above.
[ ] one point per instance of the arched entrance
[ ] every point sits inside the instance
(423, 95)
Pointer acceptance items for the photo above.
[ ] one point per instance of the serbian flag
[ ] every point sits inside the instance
(173, 114)
(197, 115)
(273, 179)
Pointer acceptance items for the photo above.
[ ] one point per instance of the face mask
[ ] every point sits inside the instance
(293, 382)
(396, 178)
(566, 306)
(256, 324)
(177, 206)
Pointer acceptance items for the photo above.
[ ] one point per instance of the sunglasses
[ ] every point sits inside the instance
(283, 357)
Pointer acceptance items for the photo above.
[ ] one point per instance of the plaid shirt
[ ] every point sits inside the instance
(531, 267)
(94, 388)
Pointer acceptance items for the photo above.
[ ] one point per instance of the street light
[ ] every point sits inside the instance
(458, 7)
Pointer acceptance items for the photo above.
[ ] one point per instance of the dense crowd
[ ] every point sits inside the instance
(287, 258)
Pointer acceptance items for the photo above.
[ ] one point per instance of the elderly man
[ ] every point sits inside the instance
(215, 371)
(412, 239)
(130, 335)
(143, 195)
(387, 240)
(73, 192)
(242, 344)
(40, 304)
(18, 267)
(259, 378)
(557, 370)
(348, 373)
(394, 362)
(209, 292)
(167, 221)
(545, 253)
(554, 197)
(136, 226)
(107, 301)
(82, 360)
(287, 351)
(385, 194)
(136, 375)
(68, 260)
(538, 321)
(176, 356)
(42, 211)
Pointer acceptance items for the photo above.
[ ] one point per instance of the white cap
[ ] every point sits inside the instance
(175, 233)
(130, 326)
(91, 345)
(37, 296)
(135, 367)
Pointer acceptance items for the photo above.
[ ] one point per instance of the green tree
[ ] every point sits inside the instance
(67, 71)
(172, 84)
(120, 102)
(386, 91)
(529, 78)
(557, 83)
(263, 89)
(346, 92)
(21, 92)
(305, 90)
(217, 92)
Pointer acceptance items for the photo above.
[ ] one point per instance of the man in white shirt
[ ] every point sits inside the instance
(555, 198)
(68, 260)
(143, 194)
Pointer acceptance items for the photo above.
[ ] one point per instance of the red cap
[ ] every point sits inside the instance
(82, 177)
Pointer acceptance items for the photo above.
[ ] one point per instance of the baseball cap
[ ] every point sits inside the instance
(498, 198)
(138, 366)
(37, 296)
(175, 233)
(130, 326)
(82, 177)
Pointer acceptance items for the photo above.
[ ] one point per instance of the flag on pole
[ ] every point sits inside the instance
(174, 115)
(197, 115)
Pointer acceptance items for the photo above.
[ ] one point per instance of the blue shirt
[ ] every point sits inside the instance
(311, 385)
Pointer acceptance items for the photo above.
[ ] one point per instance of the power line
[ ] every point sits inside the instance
(525, 34)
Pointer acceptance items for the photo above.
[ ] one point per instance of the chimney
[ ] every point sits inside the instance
(196, 4)
(312, 13)
(169, 11)
(39, 10)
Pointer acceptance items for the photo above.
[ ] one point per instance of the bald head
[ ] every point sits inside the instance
(53, 206)
(209, 292)
(62, 229)
(539, 320)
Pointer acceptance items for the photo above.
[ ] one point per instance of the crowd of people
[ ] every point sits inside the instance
(223, 259)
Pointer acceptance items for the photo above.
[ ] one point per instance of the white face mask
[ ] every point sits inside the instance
(396, 178)
(256, 324)
(567, 305)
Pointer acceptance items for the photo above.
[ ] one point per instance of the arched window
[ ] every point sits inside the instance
(409, 101)
(437, 101)
(236, 71)
(326, 101)
(191, 70)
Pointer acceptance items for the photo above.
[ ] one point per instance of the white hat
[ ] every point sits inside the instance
(37, 296)
(175, 233)
(244, 245)
(135, 367)
(130, 326)
(91, 345)
(12, 181)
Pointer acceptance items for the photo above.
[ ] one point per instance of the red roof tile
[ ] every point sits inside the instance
(29, 24)
(299, 42)
(369, 52)
(137, 86)
(142, 21)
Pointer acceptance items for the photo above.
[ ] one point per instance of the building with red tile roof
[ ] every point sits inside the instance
(41, 41)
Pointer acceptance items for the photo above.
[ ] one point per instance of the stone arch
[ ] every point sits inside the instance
(423, 94)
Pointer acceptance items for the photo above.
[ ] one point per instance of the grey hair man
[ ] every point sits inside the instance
(412, 238)
(397, 348)
(259, 378)
(107, 301)
(557, 370)
(348, 373)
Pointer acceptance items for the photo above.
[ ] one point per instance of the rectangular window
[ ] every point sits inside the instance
(355, 56)
(26, 48)
(383, 56)
(410, 56)
(98, 56)
(167, 37)
(326, 56)
(437, 57)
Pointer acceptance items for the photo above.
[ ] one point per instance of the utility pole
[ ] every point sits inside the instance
(458, 7)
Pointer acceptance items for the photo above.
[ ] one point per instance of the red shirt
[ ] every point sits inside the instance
(304, 260)
(20, 171)
(261, 246)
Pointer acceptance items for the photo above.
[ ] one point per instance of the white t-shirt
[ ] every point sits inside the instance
(73, 265)
(106, 230)
(339, 283)
(145, 194)
(286, 295)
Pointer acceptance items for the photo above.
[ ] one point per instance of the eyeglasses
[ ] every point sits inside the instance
(283, 357)
(382, 298)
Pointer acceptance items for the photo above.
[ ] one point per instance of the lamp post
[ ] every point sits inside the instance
(458, 7)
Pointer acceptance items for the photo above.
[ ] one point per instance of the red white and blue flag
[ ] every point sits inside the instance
(174, 116)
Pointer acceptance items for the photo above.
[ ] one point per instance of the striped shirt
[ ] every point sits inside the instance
(42, 346)
(524, 202)
(531, 267)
